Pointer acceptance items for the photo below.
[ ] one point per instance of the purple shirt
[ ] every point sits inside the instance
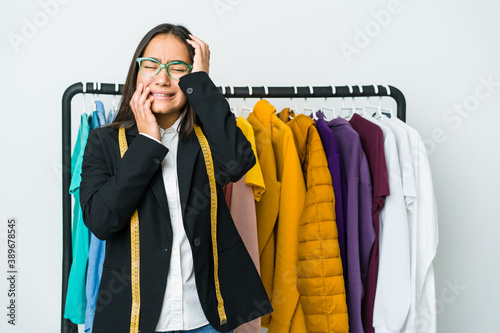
(339, 183)
(360, 231)
(372, 140)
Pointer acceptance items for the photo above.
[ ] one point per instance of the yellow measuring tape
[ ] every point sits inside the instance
(134, 235)
(135, 252)
(207, 155)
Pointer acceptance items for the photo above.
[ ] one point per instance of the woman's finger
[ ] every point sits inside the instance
(194, 44)
(198, 40)
(201, 45)
(142, 98)
(201, 60)
(133, 100)
(138, 101)
(136, 92)
(147, 106)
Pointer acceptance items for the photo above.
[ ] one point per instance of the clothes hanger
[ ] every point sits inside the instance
(344, 108)
(376, 108)
(231, 108)
(327, 108)
(266, 91)
(96, 86)
(359, 110)
(83, 108)
(379, 110)
(293, 106)
(244, 107)
(117, 89)
(115, 98)
(386, 111)
(94, 108)
(83, 96)
(306, 108)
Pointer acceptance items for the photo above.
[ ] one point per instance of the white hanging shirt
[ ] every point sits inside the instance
(424, 240)
(181, 309)
(405, 162)
(392, 298)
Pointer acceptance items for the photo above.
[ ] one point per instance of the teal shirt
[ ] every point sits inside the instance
(75, 299)
(74, 159)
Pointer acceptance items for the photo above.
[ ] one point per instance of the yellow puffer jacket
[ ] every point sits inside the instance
(319, 269)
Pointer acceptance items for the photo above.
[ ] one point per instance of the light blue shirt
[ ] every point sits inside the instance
(96, 252)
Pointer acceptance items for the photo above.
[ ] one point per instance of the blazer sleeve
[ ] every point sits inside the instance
(231, 151)
(108, 200)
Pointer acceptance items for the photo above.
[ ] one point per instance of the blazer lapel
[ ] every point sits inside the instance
(157, 184)
(187, 152)
(186, 157)
(158, 187)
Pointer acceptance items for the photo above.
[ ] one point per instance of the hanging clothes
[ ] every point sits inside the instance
(254, 176)
(100, 113)
(372, 141)
(319, 270)
(111, 115)
(278, 235)
(94, 120)
(244, 209)
(405, 162)
(264, 195)
(339, 183)
(244, 193)
(360, 231)
(423, 239)
(245, 219)
(267, 208)
(392, 298)
(77, 150)
(75, 298)
(407, 173)
(97, 247)
(228, 190)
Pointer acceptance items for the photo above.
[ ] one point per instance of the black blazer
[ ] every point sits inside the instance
(113, 187)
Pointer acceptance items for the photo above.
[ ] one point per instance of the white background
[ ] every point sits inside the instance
(434, 52)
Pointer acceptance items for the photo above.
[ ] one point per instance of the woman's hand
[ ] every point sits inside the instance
(144, 117)
(201, 61)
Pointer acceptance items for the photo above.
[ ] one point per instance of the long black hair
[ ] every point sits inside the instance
(125, 117)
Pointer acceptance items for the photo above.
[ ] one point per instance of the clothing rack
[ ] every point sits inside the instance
(229, 92)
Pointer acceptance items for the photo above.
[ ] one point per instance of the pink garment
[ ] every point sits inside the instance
(245, 219)
(228, 190)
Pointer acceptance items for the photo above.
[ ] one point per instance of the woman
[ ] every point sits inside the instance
(163, 175)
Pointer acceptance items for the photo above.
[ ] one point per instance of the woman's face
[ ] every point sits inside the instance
(165, 48)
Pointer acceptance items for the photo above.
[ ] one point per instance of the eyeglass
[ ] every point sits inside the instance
(175, 69)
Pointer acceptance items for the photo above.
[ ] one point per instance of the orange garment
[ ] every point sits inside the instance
(254, 176)
(267, 208)
(278, 235)
(320, 278)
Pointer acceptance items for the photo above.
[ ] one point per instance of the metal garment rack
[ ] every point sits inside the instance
(230, 92)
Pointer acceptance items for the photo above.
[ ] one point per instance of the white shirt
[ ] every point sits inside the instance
(181, 309)
(405, 162)
(424, 240)
(392, 298)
